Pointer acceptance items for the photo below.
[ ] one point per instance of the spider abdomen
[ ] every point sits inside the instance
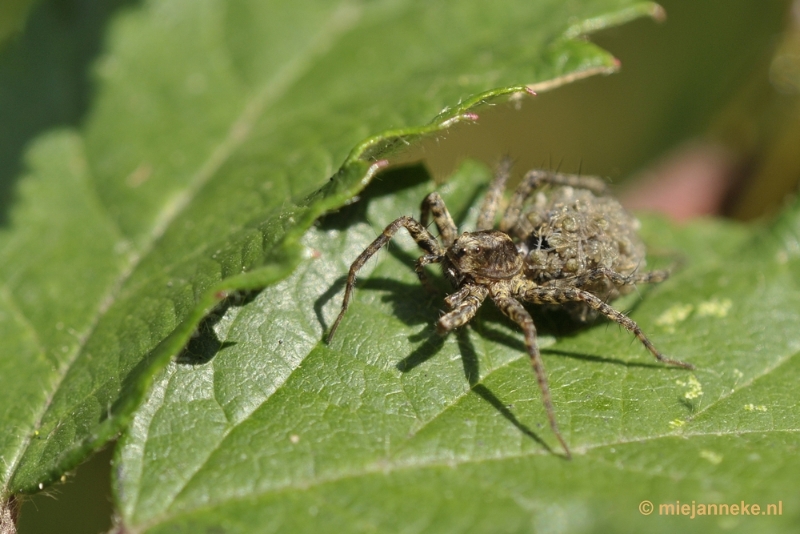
(568, 231)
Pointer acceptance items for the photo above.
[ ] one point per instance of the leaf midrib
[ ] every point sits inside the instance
(385, 468)
(381, 464)
(344, 18)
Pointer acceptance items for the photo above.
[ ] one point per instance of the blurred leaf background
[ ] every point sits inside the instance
(719, 74)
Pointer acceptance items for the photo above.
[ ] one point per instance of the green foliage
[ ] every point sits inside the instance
(202, 164)
(392, 428)
(194, 172)
(12, 18)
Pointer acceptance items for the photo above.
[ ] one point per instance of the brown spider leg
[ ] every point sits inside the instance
(493, 196)
(537, 178)
(420, 234)
(434, 205)
(419, 267)
(580, 280)
(453, 300)
(467, 301)
(517, 313)
(561, 295)
(650, 277)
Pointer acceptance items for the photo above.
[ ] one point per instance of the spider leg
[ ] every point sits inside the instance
(465, 303)
(651, 277)
(561, 295)
(493, 196)
(537, 178)
(594, 275)
(420, 234)
(453, 300)
(419, 267)
(434, 205)
(517, 313)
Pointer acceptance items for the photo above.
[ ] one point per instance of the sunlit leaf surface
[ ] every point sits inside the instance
(262, 426)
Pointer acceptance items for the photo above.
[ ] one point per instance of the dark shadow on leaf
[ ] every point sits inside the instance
(602, 359)
(469, 358)
(384, 184)
(205, 344)
(410, 302)
(472, 373)
(201, 349)
(427, 350)
(47, 78)
(323, 299)
(641, 292)
(498, 405)
(517, 344)
(552, 321)
(559, 324)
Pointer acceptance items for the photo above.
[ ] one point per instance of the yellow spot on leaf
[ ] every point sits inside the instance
(694, 385)
(711, 456)
(714, 308)
(677, 313)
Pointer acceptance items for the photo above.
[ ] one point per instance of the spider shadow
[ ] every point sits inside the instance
(556, 323)
(549, 322)
(411, 302)
(433, 343)
(484, 324)
(384, 184)
(469, 359)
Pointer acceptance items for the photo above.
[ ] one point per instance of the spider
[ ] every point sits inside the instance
(561, 241)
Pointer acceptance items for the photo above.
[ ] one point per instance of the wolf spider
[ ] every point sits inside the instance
(562, 241)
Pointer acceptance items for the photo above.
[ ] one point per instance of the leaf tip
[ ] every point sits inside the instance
(658, 13)
(378, 165)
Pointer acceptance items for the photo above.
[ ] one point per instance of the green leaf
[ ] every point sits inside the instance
(198, 169)
(260, 426)
(12, 18)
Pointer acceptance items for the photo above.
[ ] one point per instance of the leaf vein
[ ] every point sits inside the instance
(384, 468)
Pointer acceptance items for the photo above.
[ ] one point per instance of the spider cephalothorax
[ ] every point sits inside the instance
(572, 245)
(488, 254)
